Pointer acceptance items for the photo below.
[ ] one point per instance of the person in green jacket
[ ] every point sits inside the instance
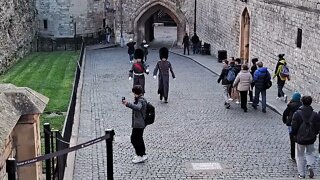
(281, 80)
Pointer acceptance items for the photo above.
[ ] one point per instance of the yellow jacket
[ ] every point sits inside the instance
(278, 71)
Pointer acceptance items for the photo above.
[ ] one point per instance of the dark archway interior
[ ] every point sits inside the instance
(153, 23)
(158, 18)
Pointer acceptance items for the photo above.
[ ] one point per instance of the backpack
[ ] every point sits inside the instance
(231, 76)
(267, 83)
(306, 133)
(150, 114)
(284, 71)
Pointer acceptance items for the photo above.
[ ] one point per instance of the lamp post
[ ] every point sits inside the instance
(121, 25)
(195, 17)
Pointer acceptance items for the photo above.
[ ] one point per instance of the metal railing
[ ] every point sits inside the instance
(67, 43)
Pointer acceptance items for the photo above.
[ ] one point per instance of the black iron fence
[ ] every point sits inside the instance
(67, 43)
(56, 157)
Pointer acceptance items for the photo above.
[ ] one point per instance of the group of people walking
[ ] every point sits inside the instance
(302, 121)
(238, 80)
(139, 106)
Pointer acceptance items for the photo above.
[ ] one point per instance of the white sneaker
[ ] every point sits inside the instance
(230, 99)
(145, 157)
(138, 159)
(285, 98)
(237, 102)
(277, 98)
(250, 102)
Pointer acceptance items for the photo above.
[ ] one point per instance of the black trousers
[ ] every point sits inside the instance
(137, 141)
(244, 99)
(184, 49)
(292, 146)
(251, 92)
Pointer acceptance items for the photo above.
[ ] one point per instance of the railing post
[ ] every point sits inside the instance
(46, 129)
(109, 132)
(52, 150)
(11, 168)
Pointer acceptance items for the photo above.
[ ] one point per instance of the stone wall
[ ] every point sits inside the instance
(273, 29)
(132, 9)
(17, 29)
(67, 17)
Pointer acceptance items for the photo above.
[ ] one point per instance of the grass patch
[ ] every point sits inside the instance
(49, 73)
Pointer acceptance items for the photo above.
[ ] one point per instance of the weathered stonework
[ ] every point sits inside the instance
(273, 29)
(65, 18)
(20, 128)
(133, 14)
(17, 30)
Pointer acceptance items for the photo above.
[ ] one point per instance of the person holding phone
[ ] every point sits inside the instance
(139, 108)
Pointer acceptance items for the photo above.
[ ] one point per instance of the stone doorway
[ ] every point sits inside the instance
(245, 36)
(145, 24)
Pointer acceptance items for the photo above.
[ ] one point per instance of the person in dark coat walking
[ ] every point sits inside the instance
(195, 43)
(292, 107)
(305, 127)
(139, 108)
(186, 44)
(252, 70)
(163, 66)
(138, 69)
(131, 49)
(260, 77)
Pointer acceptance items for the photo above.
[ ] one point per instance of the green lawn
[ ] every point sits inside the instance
(51, 74)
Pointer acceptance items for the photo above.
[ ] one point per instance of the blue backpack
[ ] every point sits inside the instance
(231, 76)
(284, 71)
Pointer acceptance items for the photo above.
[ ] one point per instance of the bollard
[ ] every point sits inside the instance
(11, 168)
(46, 129)
(110, 133)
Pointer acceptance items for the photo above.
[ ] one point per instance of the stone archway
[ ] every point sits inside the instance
(143, 23)
(245, 36)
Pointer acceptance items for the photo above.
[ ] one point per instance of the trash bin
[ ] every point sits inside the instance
(222, 55)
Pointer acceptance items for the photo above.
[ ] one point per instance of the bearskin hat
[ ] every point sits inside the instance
(138, 54)
(164, 53)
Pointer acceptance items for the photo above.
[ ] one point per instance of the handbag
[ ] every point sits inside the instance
(267, 83)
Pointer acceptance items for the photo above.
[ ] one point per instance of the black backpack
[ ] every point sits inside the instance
(150, 114)
(267, 83)
(306, 133)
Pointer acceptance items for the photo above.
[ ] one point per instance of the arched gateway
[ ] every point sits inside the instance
(143, 21)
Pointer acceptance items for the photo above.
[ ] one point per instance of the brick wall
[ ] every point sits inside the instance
(274, 26)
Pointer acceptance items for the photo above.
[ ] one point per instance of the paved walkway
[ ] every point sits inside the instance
(194, 136)
(212, 64)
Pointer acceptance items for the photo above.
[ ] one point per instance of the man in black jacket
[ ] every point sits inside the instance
(305, 127)
(195, 43)
(186, 44)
